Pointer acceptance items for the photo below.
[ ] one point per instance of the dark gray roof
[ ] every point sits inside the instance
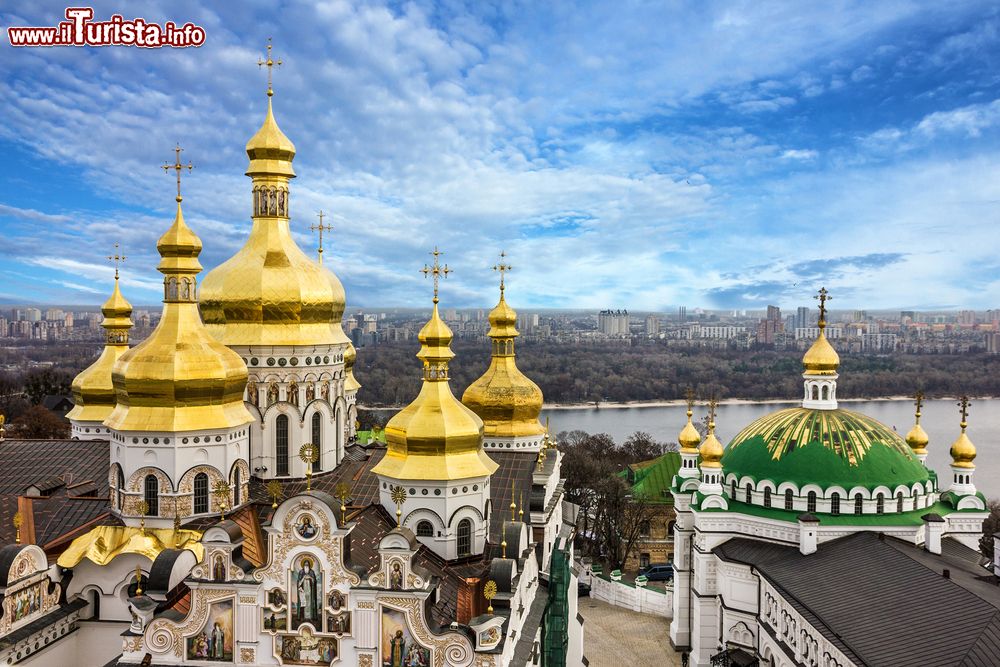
(884, 602)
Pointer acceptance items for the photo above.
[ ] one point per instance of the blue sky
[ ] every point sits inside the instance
(641, 155)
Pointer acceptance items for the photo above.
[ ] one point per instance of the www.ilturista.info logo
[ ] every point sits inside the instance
(79, 30)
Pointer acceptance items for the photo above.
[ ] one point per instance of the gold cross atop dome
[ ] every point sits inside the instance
(271, 64)
(918, 400)
(117, 258)
(502, 267)
(178, 167)
(321, 228)
(689, 399)
(437, 271)
(963, 404)
(712, 404)
(823, 297)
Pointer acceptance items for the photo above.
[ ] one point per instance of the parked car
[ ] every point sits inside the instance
(658, 572)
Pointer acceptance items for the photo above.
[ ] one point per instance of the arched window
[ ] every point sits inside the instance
(151, 489)
(916, 499)
(281, 444)
(644, 528)
(880, 504)
(858, 504)
(826, 392)
(425, 529)
(789, 500)
(464, 538)
(236, 487)
(815, 393)
(200, 493)
(749, 494)
(811, 502)
(899, 502)
(317, 435)
(121, 488)
(835, 504)
(767, 496)
(733, 494)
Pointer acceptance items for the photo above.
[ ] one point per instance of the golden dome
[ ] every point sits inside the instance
(435, 437)
(504, 398)
(270, 292)
(917, 438)
(180, 378)
(350, 357)
(93, 391)
(689, 438)
(821, 358)
(711, 449)
(963, 452)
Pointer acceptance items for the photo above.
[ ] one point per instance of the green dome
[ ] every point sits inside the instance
(823, 447)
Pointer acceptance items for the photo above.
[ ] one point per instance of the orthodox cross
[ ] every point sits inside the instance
(321, 228)
(513, 505)
(178, 167)
(437, 271)
(712, 404)
(502, 267)
(918, 400)
(274, 490)
(399, 497)
(823, 297)
(117, 258)
(689, 399)
(963, 403)
(342, 491)
(490, 592)
(271, 63)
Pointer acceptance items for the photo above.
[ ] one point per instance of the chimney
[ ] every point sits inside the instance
(808, 534)
(933, 530)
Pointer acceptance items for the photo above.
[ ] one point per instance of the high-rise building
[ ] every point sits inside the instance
(613, 322)
(967, 317)
(682, 314)
(32, 314)
(774, 313)
(802, 317)
(652, 325)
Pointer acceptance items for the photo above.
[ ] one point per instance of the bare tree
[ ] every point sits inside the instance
(619, 518)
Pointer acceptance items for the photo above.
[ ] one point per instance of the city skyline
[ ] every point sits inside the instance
(853, 147)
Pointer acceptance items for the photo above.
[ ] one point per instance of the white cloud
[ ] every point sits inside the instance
(799, 154)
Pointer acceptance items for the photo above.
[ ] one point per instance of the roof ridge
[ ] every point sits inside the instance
(994, 619)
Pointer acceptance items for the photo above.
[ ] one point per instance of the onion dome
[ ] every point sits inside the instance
(917, 438)
(711, 450)
(689, 438)
(823, 447)
(93, 391)
(435, 437)
(350, 357)
(504, 398)
(962, 451)
(180, 378)
(270, 292)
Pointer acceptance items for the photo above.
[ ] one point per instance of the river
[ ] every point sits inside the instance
(940, 420)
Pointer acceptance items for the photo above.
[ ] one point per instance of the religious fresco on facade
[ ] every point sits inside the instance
(399, 647)
(336, 600)
(306, 527)
(306, 592)
(339, 623)
(25, 602)
(396, 576)
(276, 598)
(274, 621)
(215, 641)
(308, 649)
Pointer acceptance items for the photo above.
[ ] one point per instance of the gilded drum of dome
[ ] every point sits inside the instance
(506, 400)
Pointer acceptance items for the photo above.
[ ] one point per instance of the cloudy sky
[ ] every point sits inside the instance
(641, 155)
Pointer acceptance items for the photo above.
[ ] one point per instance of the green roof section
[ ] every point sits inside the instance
(366, 437)
(653, 478)
(841, 448)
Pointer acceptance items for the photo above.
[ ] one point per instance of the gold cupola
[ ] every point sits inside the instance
(350, 357)
(504, 398)
(917, 438)
(93, 391)
(821, 358)
(963, 452)
(435, 437)
(180, 378)
(711, 449)
(270, 293)
(689, 438)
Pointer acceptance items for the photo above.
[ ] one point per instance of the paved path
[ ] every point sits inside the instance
(616, 637)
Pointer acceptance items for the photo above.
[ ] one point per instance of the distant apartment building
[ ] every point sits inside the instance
(613, 322)
(32, 315)
(811, 333)
(967, 317)
(715, 331)
(527, 323)
(652, 325)
(993, 343)
(801, 317)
